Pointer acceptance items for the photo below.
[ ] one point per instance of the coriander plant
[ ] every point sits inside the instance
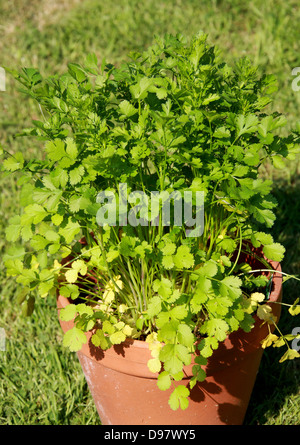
(176, 118)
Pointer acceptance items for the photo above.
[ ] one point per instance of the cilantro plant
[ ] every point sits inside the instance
(176, 118)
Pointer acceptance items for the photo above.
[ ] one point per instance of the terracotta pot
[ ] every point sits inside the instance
(126, 393)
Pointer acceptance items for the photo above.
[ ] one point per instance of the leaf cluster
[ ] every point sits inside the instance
(175, 118)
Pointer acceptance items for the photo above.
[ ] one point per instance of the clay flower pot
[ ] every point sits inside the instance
(126, 393)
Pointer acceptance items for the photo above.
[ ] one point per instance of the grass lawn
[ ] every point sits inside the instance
(40, 382)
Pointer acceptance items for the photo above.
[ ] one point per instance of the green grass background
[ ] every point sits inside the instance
(40, 382)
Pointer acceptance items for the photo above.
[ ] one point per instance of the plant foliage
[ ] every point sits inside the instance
(176, 118)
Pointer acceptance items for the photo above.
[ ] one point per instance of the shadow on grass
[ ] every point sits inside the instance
(276, 382)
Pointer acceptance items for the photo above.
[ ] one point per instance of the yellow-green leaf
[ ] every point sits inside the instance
(290, 354)
(71, 276)
(154, 365)
(74, 339)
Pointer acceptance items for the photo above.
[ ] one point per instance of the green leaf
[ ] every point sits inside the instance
(164, 381)
(74, 339)
(28, 306)
(14, 267)
(70, 231)
(68, 313)
(216, 327)
(252, 157)
(154, 307)
(38, 242)
(221, 132)
(207, 346)
(240, 171)
(167, 262)
(55, 149)
(13, 253)
(173, 363)
(168, 331)
(262, 238)
(290, 354)
(59, 178)
(295, 308)
(71, 276)
(274, 251)
(163, 287)
(100, 340)
(26, 233)
(140, 90)
(107, 327)
(178, 312)
(117, 337)
(76, 175)
(200, 360)
(127, 109)
(265, 216)
(13, 230)
(185, 335)
(278, 162)
(77, 203)
(71, 148)
(179, 398)
(228, 244)
(199, 373)
(52, 236)
(210, 98)
(91, 63)
(174, 357)
(83, 308)
(178, 376)
(208, 269)
(45, 287)
(36, 213)
(14, 162)
(69, 291)
(154, 365)
(183, 258)
(231, 285)
(246, 124)
(268, 124)
(77, 72)
(112, 255)
(53, 200)
(168, 249)
(57, 219)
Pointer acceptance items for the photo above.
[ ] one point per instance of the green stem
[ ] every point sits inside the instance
(134, 284)
(239, 252)
(270, 270)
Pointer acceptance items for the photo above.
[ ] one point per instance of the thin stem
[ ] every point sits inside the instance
(270, 270)
(239, 252)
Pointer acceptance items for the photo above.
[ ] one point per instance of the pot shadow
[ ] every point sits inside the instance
(278, 382)
(121, 349)
(220, 379)
(228, 412)
(98, 354)
(203, 390)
